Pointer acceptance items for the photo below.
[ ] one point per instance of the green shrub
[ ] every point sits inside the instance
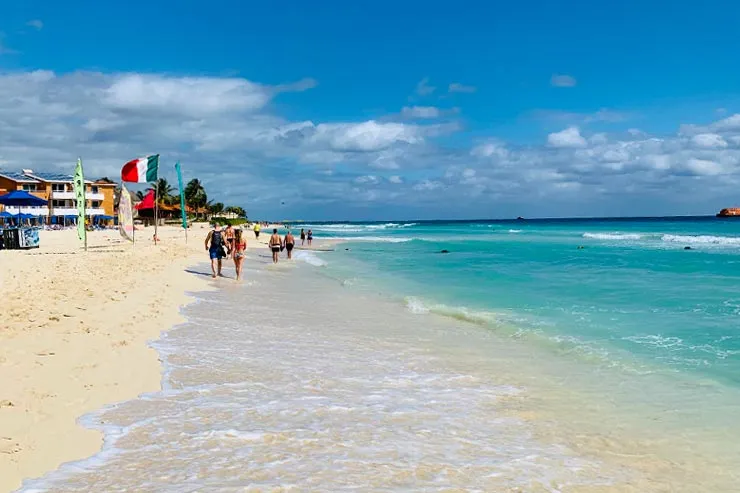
(224, 221)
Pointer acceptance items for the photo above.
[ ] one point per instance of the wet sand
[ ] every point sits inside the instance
(73, 336)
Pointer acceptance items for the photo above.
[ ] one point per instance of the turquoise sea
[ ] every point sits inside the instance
(564, 356)
(650, 294)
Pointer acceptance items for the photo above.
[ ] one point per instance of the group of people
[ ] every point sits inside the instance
(227, 243)
(287, 243)
(231, 243)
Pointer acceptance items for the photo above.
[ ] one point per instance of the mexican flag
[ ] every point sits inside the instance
(142, 170)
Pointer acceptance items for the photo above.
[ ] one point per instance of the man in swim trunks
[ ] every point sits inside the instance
(289, 244)
(215, 248)
(274, 244)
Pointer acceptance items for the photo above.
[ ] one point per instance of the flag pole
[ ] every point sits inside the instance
(156, 209)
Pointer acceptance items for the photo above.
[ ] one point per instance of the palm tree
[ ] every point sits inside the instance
(164, 191)
(217, 208)
(139, 195)
(195, 194)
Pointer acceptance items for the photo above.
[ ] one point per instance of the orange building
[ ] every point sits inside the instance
(58, 190)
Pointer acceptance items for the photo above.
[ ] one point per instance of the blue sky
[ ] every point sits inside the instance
(389, 110)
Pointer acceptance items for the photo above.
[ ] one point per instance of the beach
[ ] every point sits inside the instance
(74, 330)
(320, 375)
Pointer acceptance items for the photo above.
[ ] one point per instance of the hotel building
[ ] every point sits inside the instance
(57, 189)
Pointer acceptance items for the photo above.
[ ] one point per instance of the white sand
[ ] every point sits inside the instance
(73, 334)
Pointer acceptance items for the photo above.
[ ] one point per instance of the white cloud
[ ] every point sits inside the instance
(490, 149)
(366, 136)
(598, 138)
(562, 80)
(427, 185)
(703, 167)
(367, 179)
(570, 137)
(423, 88)
(460, 88)
(188, 95)
(420, 112)
(36, 24)
(225, 131)
(727, 124)
(709, 141)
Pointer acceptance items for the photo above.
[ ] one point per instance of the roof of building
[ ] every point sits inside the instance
(19, 177)
(51, 177)
(28, 176)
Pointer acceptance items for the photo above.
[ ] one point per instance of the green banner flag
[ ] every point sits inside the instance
(182, 196)
(79, 187)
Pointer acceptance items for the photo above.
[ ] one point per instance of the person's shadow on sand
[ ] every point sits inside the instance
(206, 274)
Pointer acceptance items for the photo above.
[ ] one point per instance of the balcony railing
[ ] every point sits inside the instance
(72, 211)
(71, 196)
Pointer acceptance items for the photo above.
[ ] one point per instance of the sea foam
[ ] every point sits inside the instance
(612, 236)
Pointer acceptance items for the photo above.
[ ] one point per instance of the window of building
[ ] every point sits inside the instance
(95, 204)
(58, 187)
(94, 189)
(29, 187)
(59, 203)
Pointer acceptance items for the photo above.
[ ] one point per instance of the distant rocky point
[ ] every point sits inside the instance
(729, 212)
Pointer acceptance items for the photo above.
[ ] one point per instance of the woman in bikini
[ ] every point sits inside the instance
(240, 246)
(275, 244)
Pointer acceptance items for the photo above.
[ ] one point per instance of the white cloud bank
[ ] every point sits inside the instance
(225, 131)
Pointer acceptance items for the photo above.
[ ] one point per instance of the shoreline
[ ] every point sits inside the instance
(59, 352)
(558, 402)
(542, 401)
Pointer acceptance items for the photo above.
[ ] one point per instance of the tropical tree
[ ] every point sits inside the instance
(164, 191)
(195, 194)
(217, 208)
(139, 195)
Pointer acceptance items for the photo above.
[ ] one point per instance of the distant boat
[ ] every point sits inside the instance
(729, 212)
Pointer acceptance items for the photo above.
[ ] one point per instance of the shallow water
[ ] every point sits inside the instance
(302, 380)
(632, 294)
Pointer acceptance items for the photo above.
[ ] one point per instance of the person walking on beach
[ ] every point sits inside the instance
(256, 231)
(310, 237)
(229, 234)
(240, 247)
(289, 244)
(275, 243)
(215, 249)
(303, 236)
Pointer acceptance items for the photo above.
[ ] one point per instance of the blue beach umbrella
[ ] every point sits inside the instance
(20, 198)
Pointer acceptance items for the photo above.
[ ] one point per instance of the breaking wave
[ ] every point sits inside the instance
(612, 236)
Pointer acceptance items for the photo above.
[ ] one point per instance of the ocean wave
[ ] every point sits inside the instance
(380, 239)
(515, 231)
(417, 306)
(355, 228)
(702, 239)
(613, 236)
(390, 226)
(309, 258)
